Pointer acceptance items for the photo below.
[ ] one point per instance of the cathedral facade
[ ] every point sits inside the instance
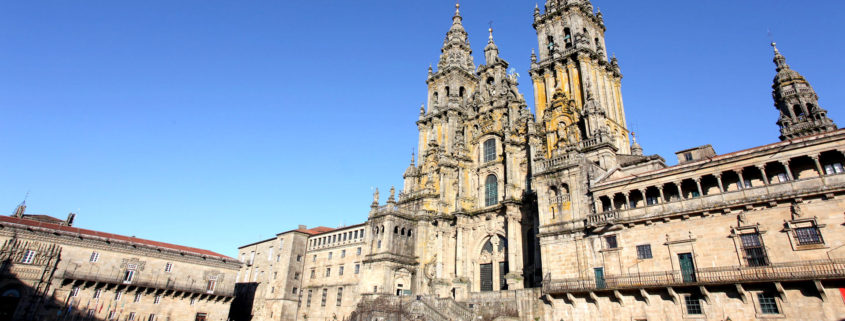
(557, 214)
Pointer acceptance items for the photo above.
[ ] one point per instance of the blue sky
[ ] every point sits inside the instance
(217, 123)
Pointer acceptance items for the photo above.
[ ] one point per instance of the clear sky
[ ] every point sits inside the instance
(218, 123)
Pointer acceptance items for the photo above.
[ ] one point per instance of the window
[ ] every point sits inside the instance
(111, 315)
(270, 254)
(357, 268)
(379, 244)
(272, 289)
(251, 257)
(329, 271)
(808, 235)
(325, 294)
(330, 255)
(294, 290)
(644, 251)
(97, 293)
(312, 273)
(755, 255)
(193, 301)
(768, 305)
(693, 304)
(687, 157)
(611, 241)
(308, 302)
(128, 275)
(137, 297)
(209, 288)
(342, 253)
(296, 276)
(489, 150)
(339, 295)
(275, 274)
(168, 267)
(152, 317)
(74, 292)
(491, 191)
(835, 168)
(358, 251)
(340, 271)
(299, 258)
(131, 316)
(782, 177)
(157, 299)
(94, 257)
(117, 295)
(314, 258)
(28, 257)
(651, 200)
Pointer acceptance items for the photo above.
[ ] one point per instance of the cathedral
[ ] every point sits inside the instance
(557, 214)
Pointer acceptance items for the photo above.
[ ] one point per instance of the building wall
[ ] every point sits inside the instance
(327, 254)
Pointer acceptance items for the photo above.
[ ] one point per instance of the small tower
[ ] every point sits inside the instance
(800, 113)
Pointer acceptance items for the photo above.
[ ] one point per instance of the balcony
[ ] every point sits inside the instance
(169, 284)
(790, 271)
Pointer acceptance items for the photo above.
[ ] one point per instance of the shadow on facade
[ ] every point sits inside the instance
(25, 300)
(241, 308)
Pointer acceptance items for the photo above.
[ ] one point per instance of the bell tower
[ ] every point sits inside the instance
(800, 113)
(571, 73)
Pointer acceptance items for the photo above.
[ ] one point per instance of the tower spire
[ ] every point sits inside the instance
(456, 51)
(798, 103)
(491, 52)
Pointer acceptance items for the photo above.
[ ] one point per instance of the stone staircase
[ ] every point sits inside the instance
(420, 308)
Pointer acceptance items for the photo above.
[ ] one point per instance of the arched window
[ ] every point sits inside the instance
(436, 98)
(567, 38)
(447, 92)
(491, 191)
(461, 92)
(798, 111)
(396, 230)
(489, 150)
(409, 232)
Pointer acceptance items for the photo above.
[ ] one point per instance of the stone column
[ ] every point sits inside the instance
(818, 165)
(680, 191)
(742, 180)
(662, 197)
(719, 181)
(762, 169)
(788, 171)
(627, 200)
(698, 185)
(645, 199)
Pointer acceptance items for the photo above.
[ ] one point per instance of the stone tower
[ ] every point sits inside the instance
(800, 113)
(573, 73)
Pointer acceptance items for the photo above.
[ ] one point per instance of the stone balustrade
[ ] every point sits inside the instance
(221, 289)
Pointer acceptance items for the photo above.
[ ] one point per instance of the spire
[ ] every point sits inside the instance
(491, 52)
(636, 149)
(456, 51)
(798, 103)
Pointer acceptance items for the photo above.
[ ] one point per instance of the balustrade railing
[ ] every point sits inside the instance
(790, 271)
(139, 280)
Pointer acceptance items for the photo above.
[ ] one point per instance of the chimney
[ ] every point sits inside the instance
(303, 227)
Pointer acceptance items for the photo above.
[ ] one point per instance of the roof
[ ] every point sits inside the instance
(109, 236)
(44, 218)
(310, 232)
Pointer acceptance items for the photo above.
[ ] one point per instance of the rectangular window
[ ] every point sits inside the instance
(168, 267)
(314, 258)
(294, 290)
(278, 258)
(97, 293)
(299, 258)
(270, 254)
(152, 317)
(296, 276)
(755, 255)
(193, 301)
(651, 200)
(339, 295)
(112, 315)
(688, 156)
(358, 251)
(275, 274)
(117, 295)
(308, 302)
(343, 253)
(693, 304)
(330, 255)
(28, 257)
(808, 235)
(835, 168)
(379, 244)
(131, 316)
(644, 251)
(94, 257)
(325, 294)
(74, 292)
(209, 288)
(272, 289)
(128, 275)
(312, 273)
(251, 257)
(611, 241)
(748, 184)
(328, 271)
(137, 297)
(340, 271)
(157, 299)
(489, 150)
(357, 268)
(768, 305)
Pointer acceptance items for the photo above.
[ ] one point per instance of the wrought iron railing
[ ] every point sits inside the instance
(790, 271)
(139, 280)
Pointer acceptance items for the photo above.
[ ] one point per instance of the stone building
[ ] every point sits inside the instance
(54, 271)
(558, 214)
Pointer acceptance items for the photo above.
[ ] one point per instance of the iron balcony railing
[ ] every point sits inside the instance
(790, 271)
(139, 280)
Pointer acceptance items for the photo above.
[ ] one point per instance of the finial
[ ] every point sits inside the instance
(775, 45)
(491, 32)
(413, 158)
(533, 56)
(457, 8)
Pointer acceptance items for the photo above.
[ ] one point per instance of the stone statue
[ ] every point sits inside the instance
(375, 196)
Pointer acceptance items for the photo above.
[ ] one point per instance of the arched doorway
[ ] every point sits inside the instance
(493, 264)
(9, 299)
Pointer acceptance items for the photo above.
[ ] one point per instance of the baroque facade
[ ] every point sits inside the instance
(557, 214)
(54, 271)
